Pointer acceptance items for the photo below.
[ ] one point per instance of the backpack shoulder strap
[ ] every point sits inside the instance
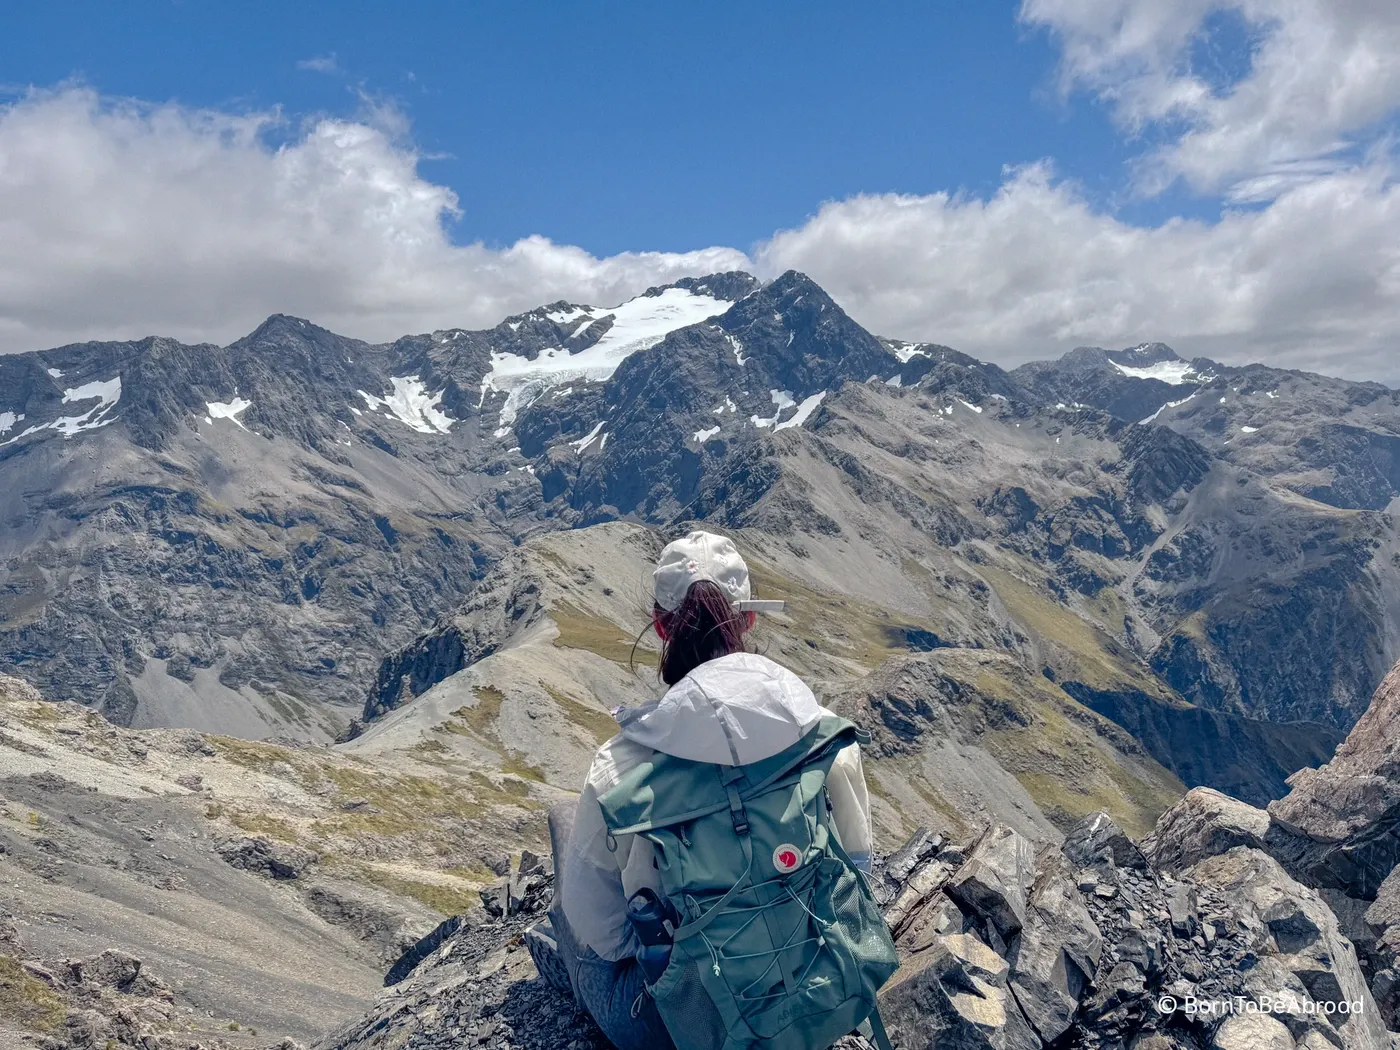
(877, 1035)
(667, 790)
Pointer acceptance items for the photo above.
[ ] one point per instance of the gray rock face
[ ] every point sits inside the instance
(263, 856)
(995, 882)
(1203, 824)
(1339, 830)
(955, 994)
(506, 602)
(1102, 842)
(1058, 953)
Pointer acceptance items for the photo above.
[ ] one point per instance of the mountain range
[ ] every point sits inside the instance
(1201, 554)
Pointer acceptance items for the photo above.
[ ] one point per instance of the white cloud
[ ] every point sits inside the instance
(1321, 75)
(320, 64)
(1312, 280)
(119, 220)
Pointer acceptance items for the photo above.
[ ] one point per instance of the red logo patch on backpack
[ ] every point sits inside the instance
(787, 858)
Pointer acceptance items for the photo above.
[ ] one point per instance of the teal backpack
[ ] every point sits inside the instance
(781, 945)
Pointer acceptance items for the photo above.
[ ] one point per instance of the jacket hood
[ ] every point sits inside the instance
(731, 711)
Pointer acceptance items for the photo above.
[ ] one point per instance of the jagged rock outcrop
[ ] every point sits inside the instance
(505, 602)
(1086, 947)
(1337, 833)
(1345, 816)
(263, 856)
(1205, 823)
(1339, 830)
(107, 1002)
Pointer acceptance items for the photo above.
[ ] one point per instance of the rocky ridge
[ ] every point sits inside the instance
(1002, 946)
(268, 886)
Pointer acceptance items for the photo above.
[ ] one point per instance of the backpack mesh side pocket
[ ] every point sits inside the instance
(859, 924)
(685, 1005)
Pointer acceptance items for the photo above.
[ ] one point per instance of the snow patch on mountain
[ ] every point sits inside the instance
(228, 409)
(702, 436)
(582, 443)
(8, 421)
(781, 398)
(906, 351)
(56, 373)
(739, 357)
(1169, 404)
(638, 324)
(1174, 373)
(804, 411)
(106, 392)
(412, 405)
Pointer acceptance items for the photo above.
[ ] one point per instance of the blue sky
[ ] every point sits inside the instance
(618, 126)
(1010, 178)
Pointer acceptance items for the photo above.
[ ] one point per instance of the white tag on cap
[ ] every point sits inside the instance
(764, 605)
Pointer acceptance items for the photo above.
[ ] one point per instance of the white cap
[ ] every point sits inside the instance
(705, 556)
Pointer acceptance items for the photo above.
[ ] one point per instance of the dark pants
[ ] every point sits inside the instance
(612, 992)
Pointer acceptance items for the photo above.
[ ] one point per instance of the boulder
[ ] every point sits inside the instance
(936, 915)
(1203, 824)
(921, 845)
(1312, 959)
(263, 856)
(995, 882)
(1183, 910)
(1252, 1032)
(119, 971)
(1057, 954)
(954, 996)
(1097, 840)
(918, 888)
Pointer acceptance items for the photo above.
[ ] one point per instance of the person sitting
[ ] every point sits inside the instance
(725, 705)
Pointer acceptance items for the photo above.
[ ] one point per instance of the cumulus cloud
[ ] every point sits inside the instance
(1312, 281)
(1318, 78)
(119, 220)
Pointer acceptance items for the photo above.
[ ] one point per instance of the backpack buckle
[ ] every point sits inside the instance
(737, 813)
(740, 819)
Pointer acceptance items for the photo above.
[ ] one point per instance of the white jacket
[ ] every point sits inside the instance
(730, 711)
